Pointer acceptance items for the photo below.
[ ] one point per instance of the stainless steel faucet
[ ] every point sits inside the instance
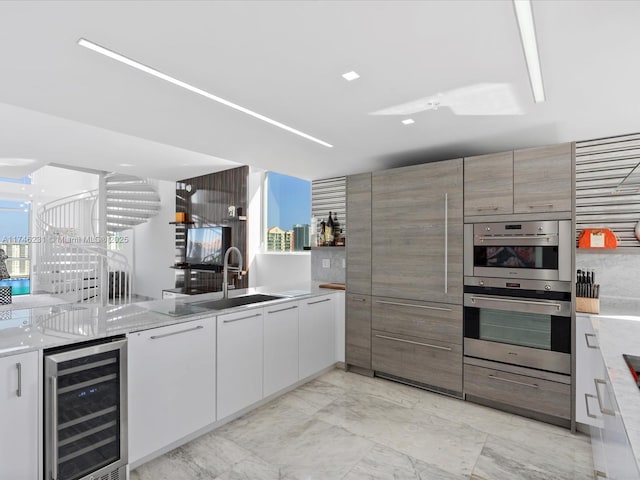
(225, 272)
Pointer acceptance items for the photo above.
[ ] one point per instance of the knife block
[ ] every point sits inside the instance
(587, 305)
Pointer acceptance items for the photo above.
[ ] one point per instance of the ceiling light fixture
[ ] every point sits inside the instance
(524, 15)
(350, 76)
(126, 165)
(83, 42)
(408, 121)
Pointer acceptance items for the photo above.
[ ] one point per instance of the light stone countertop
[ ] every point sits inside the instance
(29, 329)
(618, 330)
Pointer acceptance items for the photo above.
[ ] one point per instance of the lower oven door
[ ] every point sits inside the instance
(519, 331)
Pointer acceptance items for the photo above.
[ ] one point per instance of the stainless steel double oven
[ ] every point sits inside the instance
(517, 293)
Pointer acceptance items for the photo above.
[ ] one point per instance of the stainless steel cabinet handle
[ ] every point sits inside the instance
(492, 208)
(231, 320)
(358, 299)
(446, 242)
(384, 302)
(283, 309)
(54, 428)
(522, 302)
(606, 411)
(156, 337)
(541, 205)
(414, 343)
(319, 301)
(586, 337)
(587, 396)
(19, 390)
(532, 385)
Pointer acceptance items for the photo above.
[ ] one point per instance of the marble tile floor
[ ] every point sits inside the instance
(350, 427)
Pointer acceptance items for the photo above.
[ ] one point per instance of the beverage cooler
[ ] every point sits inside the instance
(85, 412)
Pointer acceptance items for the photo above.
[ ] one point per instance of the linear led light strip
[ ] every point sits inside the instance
(524, 15)
(152, 71)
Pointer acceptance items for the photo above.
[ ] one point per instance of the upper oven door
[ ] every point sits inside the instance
(527, 250)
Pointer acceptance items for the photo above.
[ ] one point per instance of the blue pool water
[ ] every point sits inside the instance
(19, 286)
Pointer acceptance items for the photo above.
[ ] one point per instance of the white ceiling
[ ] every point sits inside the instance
(65, 104)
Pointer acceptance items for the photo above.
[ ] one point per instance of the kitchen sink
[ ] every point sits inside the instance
(235, 301)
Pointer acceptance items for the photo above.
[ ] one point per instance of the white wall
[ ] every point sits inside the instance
(154, 247)
(286, 270)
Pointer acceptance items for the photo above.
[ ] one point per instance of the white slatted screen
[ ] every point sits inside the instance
(329, 195)
(608, 186)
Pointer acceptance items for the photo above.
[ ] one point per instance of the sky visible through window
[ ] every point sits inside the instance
(288, 201)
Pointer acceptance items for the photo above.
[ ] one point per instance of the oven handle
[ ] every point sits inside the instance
(507, 240)
(542, 305)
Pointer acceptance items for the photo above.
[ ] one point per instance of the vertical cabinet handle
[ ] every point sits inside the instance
(606, 411)
(586, 338)
(19, 390)
(587, 396)
(446, 241)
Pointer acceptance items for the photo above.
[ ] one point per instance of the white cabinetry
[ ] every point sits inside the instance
(240, 360)
(317, 334)
(597, 407)
(171, 384)
(19, 417)
(589, 366)
(280, 347)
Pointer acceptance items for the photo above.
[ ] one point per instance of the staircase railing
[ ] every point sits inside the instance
(72, 262)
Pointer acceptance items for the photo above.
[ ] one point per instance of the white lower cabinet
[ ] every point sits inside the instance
(19, 417)
(596, 406)
(240, 360)
(280, 347)
(589, 365)
(171, 385)
(317, 334)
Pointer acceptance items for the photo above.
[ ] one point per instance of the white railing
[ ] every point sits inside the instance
(73, 262)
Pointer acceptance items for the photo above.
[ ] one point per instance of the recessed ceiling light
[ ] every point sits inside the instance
(126, 165)
(408, 121)
(156, 73)
(524, 15)
(350, 76)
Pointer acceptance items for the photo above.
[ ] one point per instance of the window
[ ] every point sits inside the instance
(288, 213)
(15, 242)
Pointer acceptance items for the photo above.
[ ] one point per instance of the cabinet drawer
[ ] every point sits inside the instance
(430, 362)
(543, 396)
(437, 321)
(358, 331)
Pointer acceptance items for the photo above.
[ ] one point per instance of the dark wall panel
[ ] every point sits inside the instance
(207, 204)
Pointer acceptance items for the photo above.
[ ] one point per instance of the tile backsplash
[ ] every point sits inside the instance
(617, 274)
(335, 258)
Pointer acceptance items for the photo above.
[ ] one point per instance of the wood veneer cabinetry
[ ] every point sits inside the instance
(529, 181)
(358, 331)
(417, 214)
(542, 179)
(359, 241)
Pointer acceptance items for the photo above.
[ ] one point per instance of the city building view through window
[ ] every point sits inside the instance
(288, 212)
(15, 244)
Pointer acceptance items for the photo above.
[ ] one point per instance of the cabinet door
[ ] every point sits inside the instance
(358, 331)
(488, 184)
(19, 416)
(542, 179)
(588, 367)
(430, 362)
(280, 347)
(417, 232)
(359, 234)
(620, 460)
(240, 358)
(317, 335)
(171, 384)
